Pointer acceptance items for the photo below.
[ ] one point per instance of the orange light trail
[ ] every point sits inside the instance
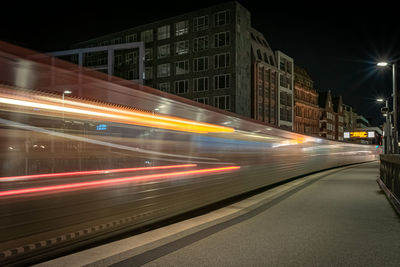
(67, 174)
(106, 112)
(114, 181)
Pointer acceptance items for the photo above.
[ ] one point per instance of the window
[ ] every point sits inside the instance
(163, 51)
(181, 28)
(200, 23)
(182, 47)
(283, 81)
(182, 86)
(131, 38)
(200, 64)
(259, 54)
(164, 87)
(182, 67)
(222, 18)
(282, 64)
(221, 61)
(148, 54)
(163, 70)
(148, 73)
(133, 74)
(146, 36)
(200, 84)
(202, 100)
(200, 43)
(131, 57)
(163, 32)
(116, 40)
(221, 39)
(222, 102)
(117, 59)
(222, 81)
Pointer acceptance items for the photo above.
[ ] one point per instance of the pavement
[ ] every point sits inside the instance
(338, 217)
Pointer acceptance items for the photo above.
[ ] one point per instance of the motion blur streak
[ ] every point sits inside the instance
(112, 114)
(115, 181)
(97, 142)
(67, 174)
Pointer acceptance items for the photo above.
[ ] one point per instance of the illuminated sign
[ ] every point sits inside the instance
(371, 134)
(346, 135)
(360, 134)
(101, 127)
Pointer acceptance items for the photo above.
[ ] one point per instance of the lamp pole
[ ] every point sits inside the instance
(387, 127)
(395, 132)
(396, 141)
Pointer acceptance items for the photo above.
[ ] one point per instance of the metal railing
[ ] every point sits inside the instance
(389, 179)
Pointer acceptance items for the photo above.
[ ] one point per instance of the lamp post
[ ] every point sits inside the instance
(387, 128)
(395, 134)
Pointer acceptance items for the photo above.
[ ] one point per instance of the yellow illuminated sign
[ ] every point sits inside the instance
(358, 134)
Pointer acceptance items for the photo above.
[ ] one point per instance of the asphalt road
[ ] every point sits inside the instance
(342, 219)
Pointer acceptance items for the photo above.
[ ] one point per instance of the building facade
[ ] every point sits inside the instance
(305, 103)
(349, 118)
(285, 90)
(264, 80)
(202, 55)
(339, 117)
(327, 115)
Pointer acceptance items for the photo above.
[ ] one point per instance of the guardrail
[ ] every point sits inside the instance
(389, 180)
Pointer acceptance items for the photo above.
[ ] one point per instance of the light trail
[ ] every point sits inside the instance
(113, 114)
(68, 174)
(114, 181)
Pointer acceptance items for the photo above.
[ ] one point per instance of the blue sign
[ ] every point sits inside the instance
(101, 127)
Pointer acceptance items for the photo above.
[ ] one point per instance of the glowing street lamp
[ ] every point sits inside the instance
(394, 66)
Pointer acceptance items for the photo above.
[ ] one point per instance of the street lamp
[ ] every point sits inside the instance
(388, 126)
(394, 67)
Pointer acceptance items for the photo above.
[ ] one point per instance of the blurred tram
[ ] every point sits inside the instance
(122, 151)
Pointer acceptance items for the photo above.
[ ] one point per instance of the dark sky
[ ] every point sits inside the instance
(337, 43)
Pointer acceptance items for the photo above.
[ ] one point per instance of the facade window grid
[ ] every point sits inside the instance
(165, 87)
(131, 58)
(200, 23)
(200, 64)
(146, 36)
(182, 47)
(181, 86)
(200, 84)
(182, 67)
(181, 28)
(163, 70)
(163, 51)
(148, 54)
(131, 38)
(221, 60)
(222, 102)
(222, 39)
(203, 100)
(222, 81)
(200, 43)
(163, 32)
(222, 18)
(148, 74)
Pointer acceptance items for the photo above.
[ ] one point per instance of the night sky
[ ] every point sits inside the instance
(337, 44)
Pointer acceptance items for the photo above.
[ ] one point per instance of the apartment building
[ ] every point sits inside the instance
(305, 102)
(203, 55)
(285, 90)
(264, 80)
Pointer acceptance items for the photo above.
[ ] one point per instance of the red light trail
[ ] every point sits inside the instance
(67, 174)
(114, 181)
